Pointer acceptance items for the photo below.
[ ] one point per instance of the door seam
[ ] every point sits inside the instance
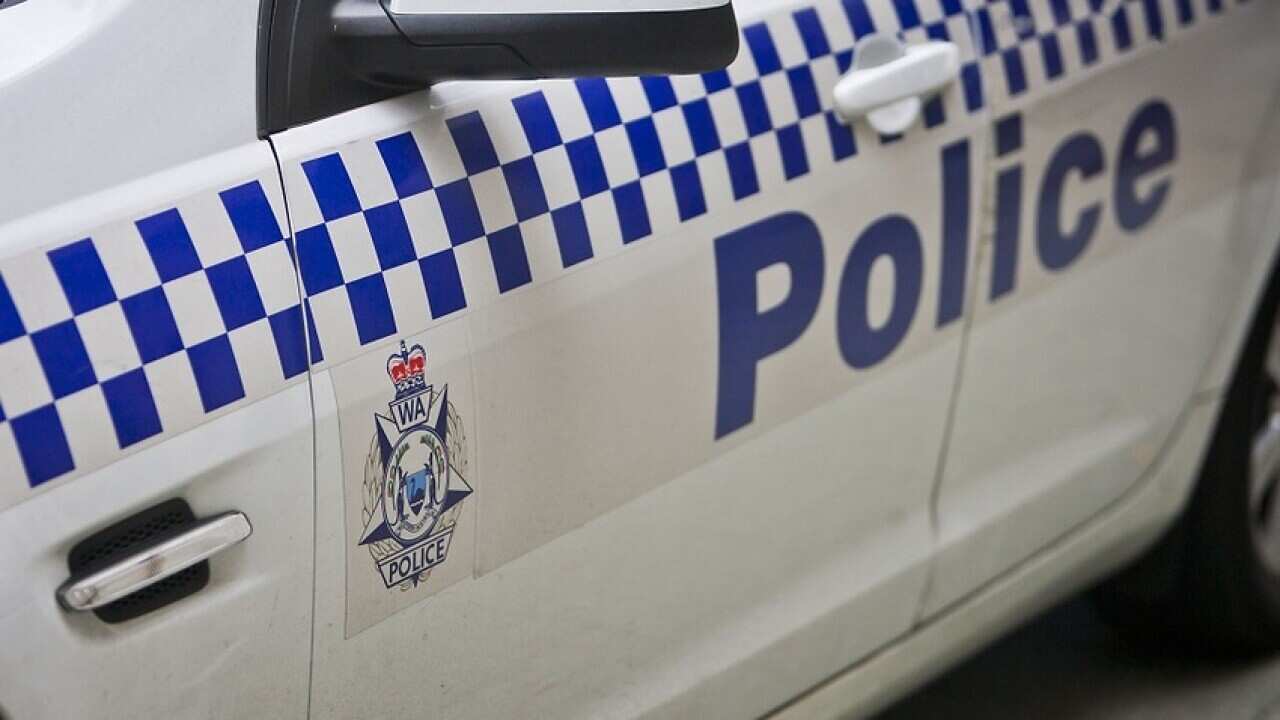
(986, 212)
(311, 399)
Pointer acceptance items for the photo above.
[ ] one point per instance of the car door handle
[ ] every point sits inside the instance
(888, 81)
(153, 563)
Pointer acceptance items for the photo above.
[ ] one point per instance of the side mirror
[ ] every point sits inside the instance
(321, 57)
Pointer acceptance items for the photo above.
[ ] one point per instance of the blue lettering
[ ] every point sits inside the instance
(895, 238)
(1059, 248)
(955, 231)
(1132, 212)
(409, 411)
(1004, 260)
(747, 334)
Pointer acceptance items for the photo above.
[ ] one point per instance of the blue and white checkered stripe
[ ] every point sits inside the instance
(1028, 45)
(146, 328)
(400, 231)
(460, 210)
(143, 329)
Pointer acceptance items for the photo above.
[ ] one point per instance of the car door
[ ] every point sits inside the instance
(1112, 262)
(151, 353)
(630, 391)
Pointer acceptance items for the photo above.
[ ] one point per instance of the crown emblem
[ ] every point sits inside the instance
(408, 370)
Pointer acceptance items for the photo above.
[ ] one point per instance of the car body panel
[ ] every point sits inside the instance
(623, 526)
(154, 347)
(1081, 357)
(103, 94)
(1101, 545)
(710, 395)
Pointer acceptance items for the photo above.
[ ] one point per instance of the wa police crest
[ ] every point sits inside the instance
(415, 475)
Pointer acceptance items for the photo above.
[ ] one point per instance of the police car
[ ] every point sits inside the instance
(623, 358)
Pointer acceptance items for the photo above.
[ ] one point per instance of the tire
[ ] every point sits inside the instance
(1212, 584)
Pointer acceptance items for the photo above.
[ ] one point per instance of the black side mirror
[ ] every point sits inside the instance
(321, 57)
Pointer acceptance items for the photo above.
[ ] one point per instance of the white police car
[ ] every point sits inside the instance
(774, 388)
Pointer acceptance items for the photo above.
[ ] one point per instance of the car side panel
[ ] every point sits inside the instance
(639, 541)
(1131, 131)
(102, 94)
(153, 347)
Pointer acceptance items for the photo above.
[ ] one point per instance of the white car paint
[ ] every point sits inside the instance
(632, 547)
(555, 594)
(250, 628)
(1058, 415)
(1107, 541)
(98, 94)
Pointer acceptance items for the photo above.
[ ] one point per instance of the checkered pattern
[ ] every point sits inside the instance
(1030, 44)
(403, 230)
(147, 327)
(144, 328)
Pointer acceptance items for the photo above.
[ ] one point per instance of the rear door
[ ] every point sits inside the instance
(1114, 262)
(630, 392)
(151, 349)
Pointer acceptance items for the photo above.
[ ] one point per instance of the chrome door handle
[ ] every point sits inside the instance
(150, 565)
(888, 81)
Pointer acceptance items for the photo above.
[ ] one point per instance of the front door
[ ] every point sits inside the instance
(630, 392)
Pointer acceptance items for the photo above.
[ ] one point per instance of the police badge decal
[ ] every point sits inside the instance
(415, 475)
